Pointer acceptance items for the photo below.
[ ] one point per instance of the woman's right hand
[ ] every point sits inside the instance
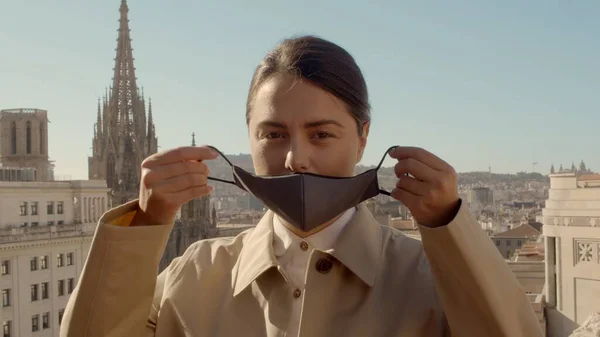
(169, 179)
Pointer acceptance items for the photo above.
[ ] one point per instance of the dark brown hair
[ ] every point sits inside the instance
(324, 64)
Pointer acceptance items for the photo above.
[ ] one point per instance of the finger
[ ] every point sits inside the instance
(181, 183)
(415, 168)
(183, 153)
(413, 186)
(164, 172)
(193, 192)
(184, 196)
(407, 198)
(422, 155)
(176, 169)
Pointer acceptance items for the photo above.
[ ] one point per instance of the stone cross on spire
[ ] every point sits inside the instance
(193, 139)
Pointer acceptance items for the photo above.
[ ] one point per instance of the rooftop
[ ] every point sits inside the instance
(522, 231)
(589, 177)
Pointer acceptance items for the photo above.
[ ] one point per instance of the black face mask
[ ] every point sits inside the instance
(307, 200)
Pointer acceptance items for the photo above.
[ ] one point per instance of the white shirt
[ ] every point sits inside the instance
(294, 260)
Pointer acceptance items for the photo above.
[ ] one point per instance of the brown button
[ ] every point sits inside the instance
(304, 246)
(324, 265)
(297, 293)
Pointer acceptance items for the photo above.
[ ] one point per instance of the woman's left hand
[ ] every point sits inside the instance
(431, 192)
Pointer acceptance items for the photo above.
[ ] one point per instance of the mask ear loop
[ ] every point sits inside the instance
(228, 162)
(382, 191)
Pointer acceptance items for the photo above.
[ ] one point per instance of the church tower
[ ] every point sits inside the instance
(123, 134)
(24, 141)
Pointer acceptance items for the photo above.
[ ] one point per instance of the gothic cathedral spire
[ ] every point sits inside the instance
(126, 136)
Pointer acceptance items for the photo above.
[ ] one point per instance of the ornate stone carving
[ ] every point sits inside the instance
(589, 328)
(587, 251)
(573, 221)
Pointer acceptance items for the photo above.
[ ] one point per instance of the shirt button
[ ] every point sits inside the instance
(297, 293)
(324, 265)
(304, 245)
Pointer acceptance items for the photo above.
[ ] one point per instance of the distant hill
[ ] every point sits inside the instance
(468, 178)
(220, 169)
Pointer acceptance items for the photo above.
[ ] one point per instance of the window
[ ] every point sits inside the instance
(50, 207)
(59, 207)
(23, 208)
(50, 223)
(46, 320)
(519, 243)
(35, 322)
(5, 267)
(6, 297)
(33, 264)
(34, 208)
(60, 260)
(508, 242)
(45, 291)
(44, 262)
(6, 329)
(70, 285)
(61, 287)
(34, 224)
(60, 222)
(61, 312)
(497, 242)
(28, 136)
(13, 138)
(34, 292)
(69, 259)
(41, 138)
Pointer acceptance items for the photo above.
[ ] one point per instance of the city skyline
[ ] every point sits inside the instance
(505, 99)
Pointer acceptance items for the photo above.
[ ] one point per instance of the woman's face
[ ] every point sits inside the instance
(295, 126)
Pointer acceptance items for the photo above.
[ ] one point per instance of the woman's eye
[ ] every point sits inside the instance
(274, 135)
(322, 135)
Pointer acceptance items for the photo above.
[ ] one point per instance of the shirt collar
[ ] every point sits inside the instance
(358, 247)
(323, 240)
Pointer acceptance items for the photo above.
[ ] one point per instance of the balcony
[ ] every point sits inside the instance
(23, 234)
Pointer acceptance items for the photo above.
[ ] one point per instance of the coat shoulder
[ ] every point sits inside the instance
(406, 269)
(398, 240)
(206, 254)
(405, 251)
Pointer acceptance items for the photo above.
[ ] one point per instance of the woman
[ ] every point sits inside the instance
(307, 112)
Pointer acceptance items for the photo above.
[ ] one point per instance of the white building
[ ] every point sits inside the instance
(45, 233)
(572, 247)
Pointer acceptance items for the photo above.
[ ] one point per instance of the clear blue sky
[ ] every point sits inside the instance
(478, 84)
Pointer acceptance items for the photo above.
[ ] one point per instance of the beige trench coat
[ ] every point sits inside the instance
(376, 282)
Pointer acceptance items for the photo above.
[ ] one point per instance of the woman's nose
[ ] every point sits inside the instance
(298, 159)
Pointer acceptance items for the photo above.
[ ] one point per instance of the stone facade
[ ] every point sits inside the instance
(572, 245)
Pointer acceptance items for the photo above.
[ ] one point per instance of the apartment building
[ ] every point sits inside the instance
(46, 229)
